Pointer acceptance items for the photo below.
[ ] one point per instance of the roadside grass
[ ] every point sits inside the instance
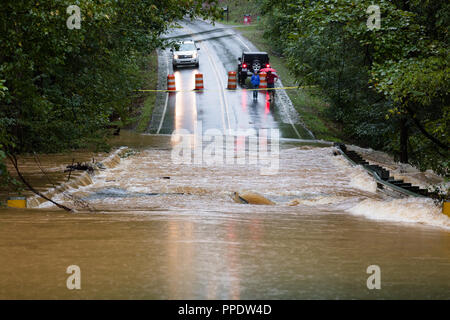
(228, 23)
(308, 102)
(237, 9)
(144, 104)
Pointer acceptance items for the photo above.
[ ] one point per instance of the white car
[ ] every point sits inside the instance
(185, 53)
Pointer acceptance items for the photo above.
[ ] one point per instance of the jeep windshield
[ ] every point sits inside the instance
(187, 47)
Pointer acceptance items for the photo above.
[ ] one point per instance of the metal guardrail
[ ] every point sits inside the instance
(379, 180)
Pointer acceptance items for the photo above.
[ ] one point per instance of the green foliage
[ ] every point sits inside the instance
(147, 99)
(373, 78)
(237, 9)
(3, 89)
(65, 86)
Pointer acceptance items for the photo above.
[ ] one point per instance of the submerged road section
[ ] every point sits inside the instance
(167, 230)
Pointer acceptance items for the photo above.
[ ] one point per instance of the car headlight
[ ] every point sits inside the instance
(195, 55)
(175, 56)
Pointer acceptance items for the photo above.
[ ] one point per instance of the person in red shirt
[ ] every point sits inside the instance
(271, 78)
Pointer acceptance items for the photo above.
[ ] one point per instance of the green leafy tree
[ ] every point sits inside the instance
(388, 87)
(64, 86)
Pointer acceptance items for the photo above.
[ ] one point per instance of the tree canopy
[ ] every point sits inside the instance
(60, 87)
(388, 86)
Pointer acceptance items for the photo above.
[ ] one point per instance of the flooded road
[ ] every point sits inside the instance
(172, 231)
(164, 229)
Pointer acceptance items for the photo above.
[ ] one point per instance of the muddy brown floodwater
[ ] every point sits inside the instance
(172, 231)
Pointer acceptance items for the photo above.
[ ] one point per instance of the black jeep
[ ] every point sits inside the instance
(249, 62)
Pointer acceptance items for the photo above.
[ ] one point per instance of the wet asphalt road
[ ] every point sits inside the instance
(215, 107)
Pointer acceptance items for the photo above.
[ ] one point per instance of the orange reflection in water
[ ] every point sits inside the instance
(244, 100)
(180, 249)
(232, 255)
(179, 107)
(185, 101)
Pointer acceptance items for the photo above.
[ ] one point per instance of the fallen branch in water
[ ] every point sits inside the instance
(13, 160)
(70, 172)
(80, 166)
(79, 203)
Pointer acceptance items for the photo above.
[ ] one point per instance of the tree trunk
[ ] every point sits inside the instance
(403, 140)
(425, 132)
(13, 160)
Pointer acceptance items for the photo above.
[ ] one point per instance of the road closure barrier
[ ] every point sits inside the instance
(199, 81)
(232, 80)
(237, 89)
(171, 83)
(17, 202)
(263, 81)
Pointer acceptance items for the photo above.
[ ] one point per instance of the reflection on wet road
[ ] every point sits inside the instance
(172, 231)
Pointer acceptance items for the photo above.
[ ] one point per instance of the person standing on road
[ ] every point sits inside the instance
(271, 84)
(255, 82)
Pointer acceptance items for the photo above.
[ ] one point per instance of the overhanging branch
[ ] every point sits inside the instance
(13, 160)
(425, 132)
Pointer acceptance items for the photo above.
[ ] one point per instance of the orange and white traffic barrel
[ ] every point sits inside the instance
(232, 80)
(263, 80)
(199, 81)
(171, 82)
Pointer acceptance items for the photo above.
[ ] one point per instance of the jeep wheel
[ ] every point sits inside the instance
(256, 65)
